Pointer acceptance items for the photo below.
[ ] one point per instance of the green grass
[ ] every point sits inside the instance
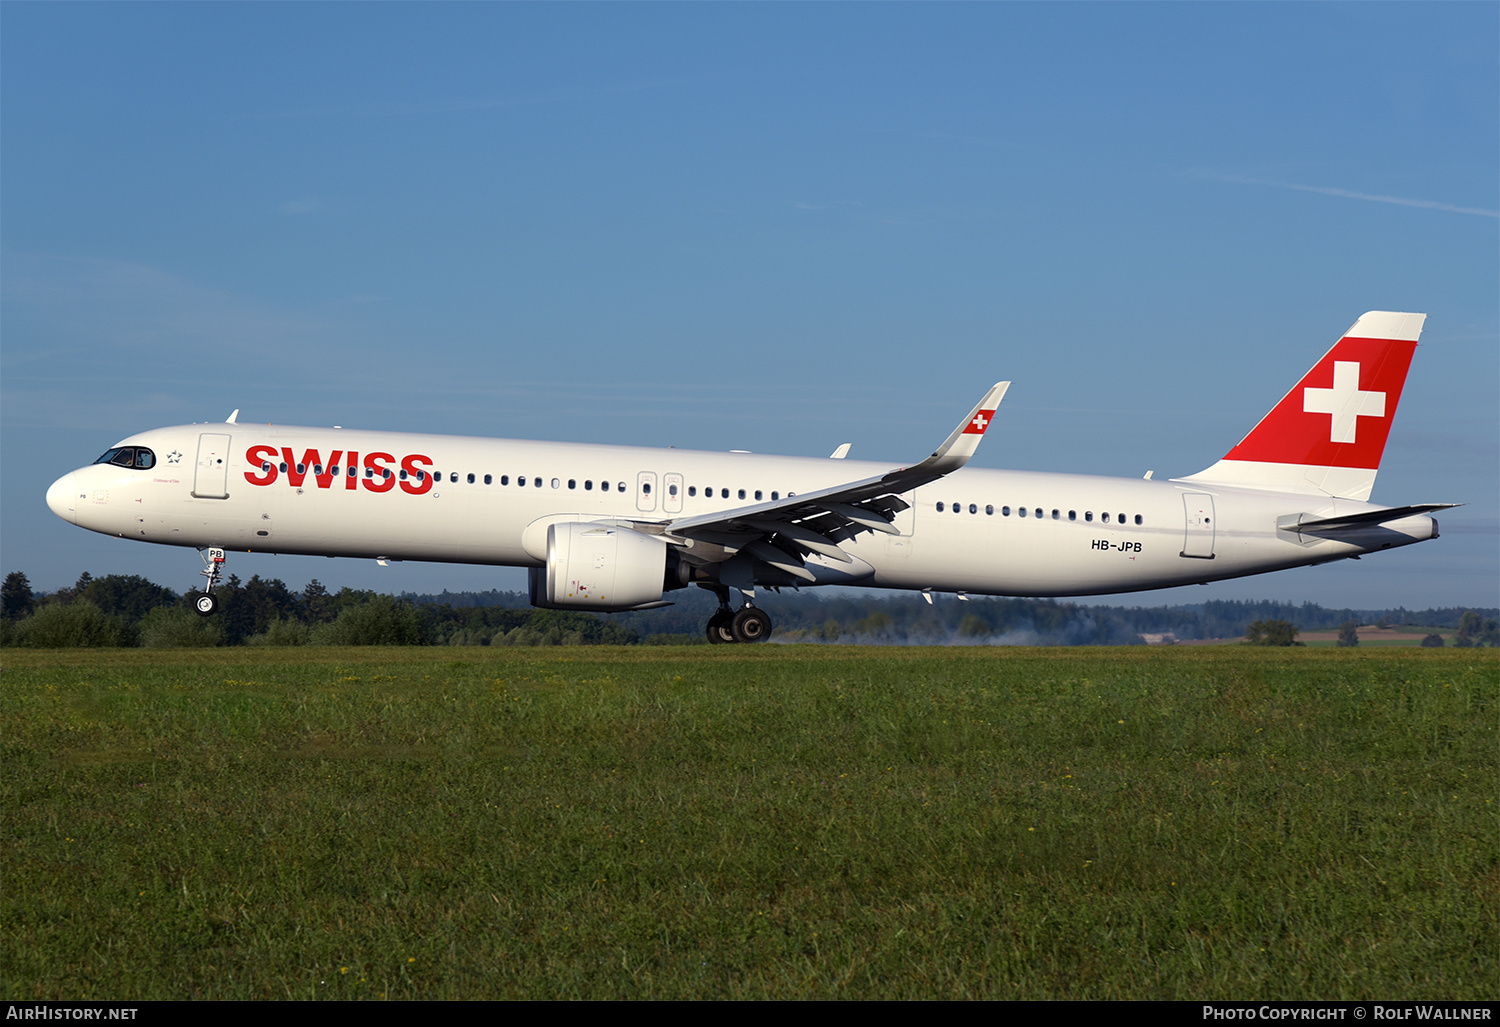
(775, 821)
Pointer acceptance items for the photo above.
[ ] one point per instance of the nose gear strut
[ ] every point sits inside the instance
(205, 602)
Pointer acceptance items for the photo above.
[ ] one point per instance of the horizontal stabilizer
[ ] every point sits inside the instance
(1370, 517)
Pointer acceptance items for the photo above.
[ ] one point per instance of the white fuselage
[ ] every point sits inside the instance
(1079, 535)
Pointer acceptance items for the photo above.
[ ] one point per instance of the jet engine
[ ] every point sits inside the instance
(604, 568)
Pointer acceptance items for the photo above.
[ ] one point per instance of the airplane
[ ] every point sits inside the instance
(612, 528)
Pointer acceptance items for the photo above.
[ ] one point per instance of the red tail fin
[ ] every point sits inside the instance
(1328, 433)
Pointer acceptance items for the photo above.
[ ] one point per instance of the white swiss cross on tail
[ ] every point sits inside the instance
(1345, 402)
(979, 423)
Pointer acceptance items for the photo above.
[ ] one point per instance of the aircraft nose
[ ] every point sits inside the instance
(62, 498)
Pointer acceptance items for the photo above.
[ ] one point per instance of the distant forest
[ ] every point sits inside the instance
(128, 610)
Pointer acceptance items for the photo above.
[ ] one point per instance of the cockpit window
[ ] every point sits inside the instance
(138, 457)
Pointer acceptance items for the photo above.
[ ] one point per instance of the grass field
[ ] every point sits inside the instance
(745, 822)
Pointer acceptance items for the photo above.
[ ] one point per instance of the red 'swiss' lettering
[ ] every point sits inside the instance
(325, 478)
(378, 477)
(312, 460)
(258, 456)
(423, 483)
(294, 474)
(380, 469)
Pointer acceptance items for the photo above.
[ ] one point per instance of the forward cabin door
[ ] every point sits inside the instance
(1198, 542)
(211, 478)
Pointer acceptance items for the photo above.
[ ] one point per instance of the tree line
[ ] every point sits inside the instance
(129, 610)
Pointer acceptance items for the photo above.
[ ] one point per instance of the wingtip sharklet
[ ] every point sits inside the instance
(961, 444)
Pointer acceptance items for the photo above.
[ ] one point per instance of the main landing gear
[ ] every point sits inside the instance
(747, 624)
(204, 602)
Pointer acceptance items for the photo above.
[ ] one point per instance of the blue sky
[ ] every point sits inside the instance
(771, 227)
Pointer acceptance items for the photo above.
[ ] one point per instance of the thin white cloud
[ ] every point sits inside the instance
(409, 108)
(805, 205)
(1350, 194)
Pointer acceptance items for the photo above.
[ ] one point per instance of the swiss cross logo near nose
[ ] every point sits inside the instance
(1346, 403)
(980, 422)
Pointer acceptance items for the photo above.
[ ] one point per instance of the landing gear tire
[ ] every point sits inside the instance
(751, 625)
(205, 604)
(719, 628)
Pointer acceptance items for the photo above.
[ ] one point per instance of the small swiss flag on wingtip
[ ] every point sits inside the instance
(979, 422)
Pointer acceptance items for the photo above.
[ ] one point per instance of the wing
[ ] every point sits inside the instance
(783, 532)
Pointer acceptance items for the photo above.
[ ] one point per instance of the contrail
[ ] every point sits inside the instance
(1352, 195)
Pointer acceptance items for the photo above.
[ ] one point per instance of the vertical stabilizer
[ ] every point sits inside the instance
(1327, 434)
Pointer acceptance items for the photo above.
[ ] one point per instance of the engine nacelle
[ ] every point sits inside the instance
(600, 567)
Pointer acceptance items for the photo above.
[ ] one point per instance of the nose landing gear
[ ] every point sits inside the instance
(204, 602)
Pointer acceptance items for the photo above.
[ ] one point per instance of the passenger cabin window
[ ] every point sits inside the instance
(471, 479)
(487, 479)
